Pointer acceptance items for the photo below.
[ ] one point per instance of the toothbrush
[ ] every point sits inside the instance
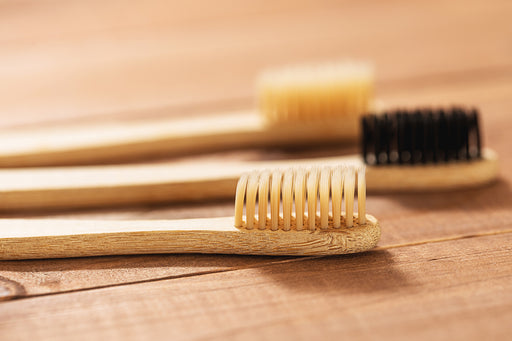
(298, 105)
(395, 158)
(323, 230)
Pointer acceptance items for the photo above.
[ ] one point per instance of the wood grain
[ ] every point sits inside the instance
(36, 239)
(105, 61)
(428, 291)
(125, 63)
(42, 277)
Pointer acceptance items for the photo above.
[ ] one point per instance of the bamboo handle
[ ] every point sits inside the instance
(31, 239)
(433, 177)
(72, 187)
(130, 141)
(98, 186)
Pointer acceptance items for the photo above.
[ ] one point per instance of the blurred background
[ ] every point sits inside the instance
(91, 62)
(76, 61)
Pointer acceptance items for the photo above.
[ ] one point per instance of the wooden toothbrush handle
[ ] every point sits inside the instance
(98, 186)
(33, 238)
(99, 144)
(76, 187)
(433, 177)
(110, 143)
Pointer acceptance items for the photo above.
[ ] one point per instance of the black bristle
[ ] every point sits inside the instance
(408, 138)
(464, 147)
(430, 137)
(401, 138)
(382, 147)
(476, 130)
(418, 137)
(443, 137)
(388, 137)
(376, 138)
(456, 134)
(421, 136)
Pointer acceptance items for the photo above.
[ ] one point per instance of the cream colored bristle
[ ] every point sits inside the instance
(240, 199)
(264, 181)
(312, 188)
(349, 188)
(301, 188)
(300, 198)
(275, 198)
(325, 191)
(316, 92)
(361, 195)
(250, 207)
(337, 190)
(287, 189)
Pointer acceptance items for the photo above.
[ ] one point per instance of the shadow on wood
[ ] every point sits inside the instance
(345, 274)
(365, 272)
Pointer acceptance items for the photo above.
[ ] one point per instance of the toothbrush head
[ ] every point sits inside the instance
(306, 94)
(421, 136)
(305, 208)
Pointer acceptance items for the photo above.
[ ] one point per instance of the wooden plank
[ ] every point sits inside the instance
(454, 289)
(37, 277)
(404, 218)
(48, 18)
(125, 64)
(151, 68)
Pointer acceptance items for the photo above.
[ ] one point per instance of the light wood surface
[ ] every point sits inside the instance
(443, 270)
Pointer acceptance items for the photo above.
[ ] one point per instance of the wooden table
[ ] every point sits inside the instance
(444, 266)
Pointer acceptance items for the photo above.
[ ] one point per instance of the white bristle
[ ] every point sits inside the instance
(325, 191)
(361, 195)
(316, 92)
(240, 195)
(250, 205)
(275, 198)
(301, 188)
(312, 196)
(349, 188)
(264, 181)
(337, 190)
(300, 197)
(287, 189)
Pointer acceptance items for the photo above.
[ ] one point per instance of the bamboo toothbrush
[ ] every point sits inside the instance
(311, 230)
(416, 151)
(297, 105)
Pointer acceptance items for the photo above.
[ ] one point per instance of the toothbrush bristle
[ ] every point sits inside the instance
(421, 136)
(312, 193)
(315, 93)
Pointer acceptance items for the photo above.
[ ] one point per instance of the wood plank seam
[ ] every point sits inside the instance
(21, 290)
(445, 239)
